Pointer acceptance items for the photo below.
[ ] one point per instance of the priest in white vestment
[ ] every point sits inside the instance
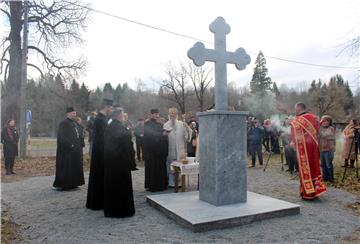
(179, 134)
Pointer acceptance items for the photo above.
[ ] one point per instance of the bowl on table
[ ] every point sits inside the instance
(184, 161)
(190, 159)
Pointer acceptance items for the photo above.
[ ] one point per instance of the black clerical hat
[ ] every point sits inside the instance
(154, 111)
(107, 102)
(69, 109)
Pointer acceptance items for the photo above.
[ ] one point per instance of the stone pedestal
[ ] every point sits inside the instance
(188, 211)
(222, 157)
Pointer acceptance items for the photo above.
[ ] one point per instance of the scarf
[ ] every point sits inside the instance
(10, 132)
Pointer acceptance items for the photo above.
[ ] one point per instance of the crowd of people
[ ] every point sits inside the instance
(112, 155)
(159, 141)
(307, 143)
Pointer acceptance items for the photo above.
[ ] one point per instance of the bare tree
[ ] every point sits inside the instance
(200, 78)
(175, 87)
(53, 25)
(328, 99)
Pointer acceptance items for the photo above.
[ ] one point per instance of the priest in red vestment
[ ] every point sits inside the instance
(304, 134)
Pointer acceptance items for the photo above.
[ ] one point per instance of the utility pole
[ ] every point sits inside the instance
(22, 123)
(358, 89)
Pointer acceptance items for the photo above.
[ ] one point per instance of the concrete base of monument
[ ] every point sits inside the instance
(187, 210)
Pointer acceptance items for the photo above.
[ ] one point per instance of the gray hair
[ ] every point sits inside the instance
(117, 111)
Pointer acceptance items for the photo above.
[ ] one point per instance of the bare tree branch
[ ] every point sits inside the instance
(6, 72)
(38, 69)
(58, 64)
(3, 59)
(58, 24)
(53, 25)
(6, 13)
(200, 79)
(171, 87)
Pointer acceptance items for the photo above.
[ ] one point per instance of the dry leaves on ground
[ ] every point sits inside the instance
(31, 167)
(8, 228)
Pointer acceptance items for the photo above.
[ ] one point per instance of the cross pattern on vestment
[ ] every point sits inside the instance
(199, 54)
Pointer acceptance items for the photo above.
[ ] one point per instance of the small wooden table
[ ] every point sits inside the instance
(183, 170)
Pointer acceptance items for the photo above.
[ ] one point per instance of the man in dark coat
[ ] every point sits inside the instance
(191, 146)
(255, 136)
(155, 152)
(69, 171)
(82, 138)
(128, 125)
(290, 153)
(139, 136)
(274, 138)
(90, 128)
(95, 194)
(118, 191)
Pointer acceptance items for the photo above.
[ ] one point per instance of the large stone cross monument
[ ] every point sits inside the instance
(222, 133)
(223, 166)
(199, 54)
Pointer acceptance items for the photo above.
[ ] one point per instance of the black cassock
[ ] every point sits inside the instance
(155, 153)
(118, 191)
(95, 195)
(69, 172)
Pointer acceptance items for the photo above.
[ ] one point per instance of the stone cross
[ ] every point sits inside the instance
(199, 54)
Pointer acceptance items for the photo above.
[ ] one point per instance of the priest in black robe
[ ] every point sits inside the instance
(95, 194)
(118, 191)
(155, 153)
(69, 171)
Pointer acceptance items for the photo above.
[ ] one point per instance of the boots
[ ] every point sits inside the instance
(352, 162)
(346, 164)
(12, 167)
(7, 168)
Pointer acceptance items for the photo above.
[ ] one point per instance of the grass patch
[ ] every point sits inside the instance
(42, 142)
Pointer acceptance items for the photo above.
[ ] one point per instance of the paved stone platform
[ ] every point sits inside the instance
(47, 216)
(187, 210)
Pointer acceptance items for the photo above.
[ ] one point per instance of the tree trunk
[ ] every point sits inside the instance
(13, 84)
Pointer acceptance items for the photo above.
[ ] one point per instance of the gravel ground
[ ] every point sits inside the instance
(49, 216)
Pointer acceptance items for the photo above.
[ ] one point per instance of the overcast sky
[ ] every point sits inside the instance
(302, 30)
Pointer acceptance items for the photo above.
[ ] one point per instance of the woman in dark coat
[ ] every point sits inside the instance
(9, 139)
(118, 191)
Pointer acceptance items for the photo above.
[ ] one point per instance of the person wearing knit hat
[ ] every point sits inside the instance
(326, 117)
(327, 143)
